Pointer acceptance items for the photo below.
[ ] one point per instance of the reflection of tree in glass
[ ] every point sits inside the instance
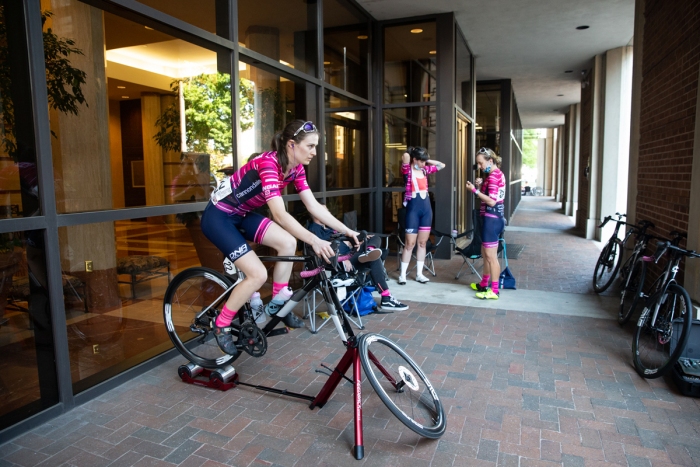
(208, 120)
(63, 82)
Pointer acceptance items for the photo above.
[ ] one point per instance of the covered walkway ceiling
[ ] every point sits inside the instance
(532, 42)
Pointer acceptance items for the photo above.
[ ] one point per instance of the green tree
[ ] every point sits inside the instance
(530, 142)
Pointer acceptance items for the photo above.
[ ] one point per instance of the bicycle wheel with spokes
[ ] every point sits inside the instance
(607, 266)
(402, 385)
(632, 290)
(657, 346)
(192, 301)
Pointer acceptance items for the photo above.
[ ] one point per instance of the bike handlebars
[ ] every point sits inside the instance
(662, 247)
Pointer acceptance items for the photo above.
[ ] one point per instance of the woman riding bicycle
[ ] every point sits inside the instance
(228, 221)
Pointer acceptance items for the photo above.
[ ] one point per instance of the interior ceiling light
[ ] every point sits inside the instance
(569, 71)
(432, 52)
(416, 31)
(326, 63)
(150, 29)
(581, 28)
(121, 87)
(362, 37)
(125, 97)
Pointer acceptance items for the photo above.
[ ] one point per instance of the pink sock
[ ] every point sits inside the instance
(484, 281)
(225, 317)
(385, 293)
(276, 287)
(494, 287)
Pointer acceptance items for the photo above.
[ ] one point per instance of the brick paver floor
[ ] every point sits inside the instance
(520, 389)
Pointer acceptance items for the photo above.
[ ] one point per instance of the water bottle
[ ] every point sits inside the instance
(256, 305)
(278, 302)
(454, 234)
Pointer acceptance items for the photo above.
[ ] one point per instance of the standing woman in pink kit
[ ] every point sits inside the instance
(228, 221)
(416, 165)
(491, 192)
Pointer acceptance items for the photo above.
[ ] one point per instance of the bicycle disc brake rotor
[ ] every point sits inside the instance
(252, 340)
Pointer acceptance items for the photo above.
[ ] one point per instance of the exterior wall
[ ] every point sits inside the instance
(585, 151)
(669, 86)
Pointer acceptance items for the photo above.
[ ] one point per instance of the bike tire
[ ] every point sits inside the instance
(415, 403)
(632, 290)
(190, 292)
(655, 350)
(607, 266)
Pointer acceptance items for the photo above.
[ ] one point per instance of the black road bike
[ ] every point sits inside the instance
(610, 257)
(663, 327)
(632, 272)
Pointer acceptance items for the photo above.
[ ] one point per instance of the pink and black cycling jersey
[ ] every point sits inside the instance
(254, 184)
(495, 187)
(408, 175)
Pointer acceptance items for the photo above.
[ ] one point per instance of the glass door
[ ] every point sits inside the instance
(462, 201)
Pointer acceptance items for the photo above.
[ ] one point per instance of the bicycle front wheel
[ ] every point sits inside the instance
(192, 301)
(402, 386)
(632, 291)
(607, 266)
(657, 346)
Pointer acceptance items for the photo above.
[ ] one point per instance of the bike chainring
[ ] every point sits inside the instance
(251, 339)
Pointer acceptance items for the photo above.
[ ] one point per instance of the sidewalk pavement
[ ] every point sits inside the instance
(541, 377)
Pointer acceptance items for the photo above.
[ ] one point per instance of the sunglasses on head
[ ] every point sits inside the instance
(484, 151)
(306, 127)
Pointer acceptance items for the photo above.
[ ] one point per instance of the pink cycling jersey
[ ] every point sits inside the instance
(254, 184)
(495, 187)
(408, 175)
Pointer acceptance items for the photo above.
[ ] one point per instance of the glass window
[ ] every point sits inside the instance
(26, 342)
(19, 191)
(488, 116)
(131, 98)
(202, 13)
(346, 47)
(268, 103)
(410, 63)
(412, 126)
(283, 30)
(114, 318)
(350, 207)
(347, 155)
(463, 78)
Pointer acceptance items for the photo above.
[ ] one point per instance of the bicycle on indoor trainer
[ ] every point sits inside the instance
(194, 298)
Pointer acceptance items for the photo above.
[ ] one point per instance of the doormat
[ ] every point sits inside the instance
(514, 250)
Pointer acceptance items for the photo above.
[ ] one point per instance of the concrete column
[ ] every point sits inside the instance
(573, 157)
(548, 162)
(615, 138)
(597, 83)
(636, 102)
(152, 152)
(692, 266)
(82, 164)
(560, 163)
(541, 161)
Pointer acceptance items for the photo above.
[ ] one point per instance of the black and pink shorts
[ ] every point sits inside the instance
(230, 232)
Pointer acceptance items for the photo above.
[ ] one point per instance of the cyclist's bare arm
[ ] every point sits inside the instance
(319, 212)
(285, 220)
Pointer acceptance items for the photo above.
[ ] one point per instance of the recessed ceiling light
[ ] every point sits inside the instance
(150, 29)
(560, 95)
(326, 63)
(121, 87)
(569, 71)
(125, 97)
(432, 52)
(416, 31)
(362, 37)
(581, 28)
(551, 120)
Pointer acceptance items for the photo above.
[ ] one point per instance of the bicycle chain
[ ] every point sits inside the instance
(251, 339)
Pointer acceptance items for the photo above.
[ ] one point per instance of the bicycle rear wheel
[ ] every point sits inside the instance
(402, 385)
(607, 266)
(189, 293)
(656, 348)
(632, 291)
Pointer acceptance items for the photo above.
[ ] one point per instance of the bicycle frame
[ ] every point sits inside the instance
(667, 278)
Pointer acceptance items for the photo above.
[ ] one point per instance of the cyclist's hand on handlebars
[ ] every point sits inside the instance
(353, 235)
(323, 249)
